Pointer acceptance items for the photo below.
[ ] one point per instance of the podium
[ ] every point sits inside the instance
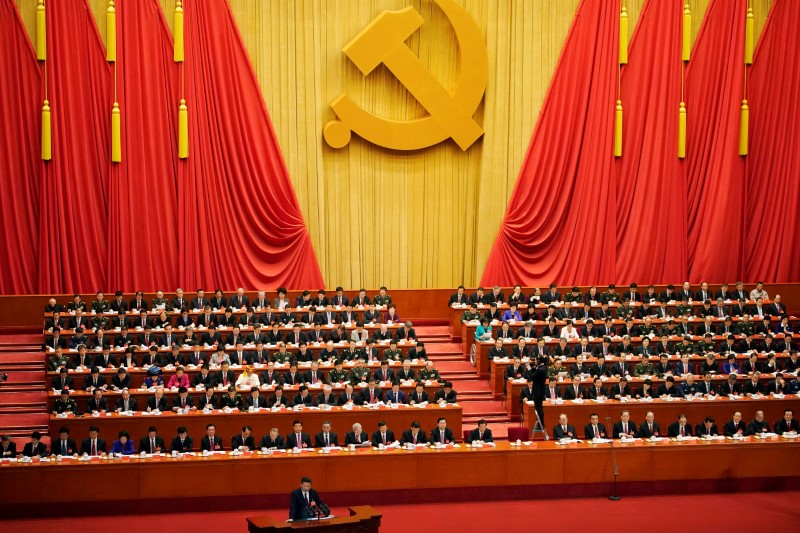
(363, 518)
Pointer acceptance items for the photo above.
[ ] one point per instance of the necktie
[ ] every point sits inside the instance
(441, 434)
(183, 402)
(371, 396)
(327, 441)
(415, 438)
(596, 433)
(683, 432)
(63, 447)
(384, 437)
(625, 428)
(94, 447)
(299, 441)
(152, 445)
(651, 428)
(305, 494)
(564, 429)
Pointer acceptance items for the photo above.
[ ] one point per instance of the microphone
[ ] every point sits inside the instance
(613, 497)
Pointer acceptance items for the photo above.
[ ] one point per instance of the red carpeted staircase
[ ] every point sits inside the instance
(23, 398)
(474, 394)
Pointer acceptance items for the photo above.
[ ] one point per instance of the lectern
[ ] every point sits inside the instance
(363, 519)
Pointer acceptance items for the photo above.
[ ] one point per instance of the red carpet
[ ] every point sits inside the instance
(703, 513)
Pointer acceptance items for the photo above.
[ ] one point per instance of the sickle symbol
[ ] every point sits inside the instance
(450, 114)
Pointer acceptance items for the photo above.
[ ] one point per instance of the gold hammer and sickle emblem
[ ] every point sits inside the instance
(450, 113)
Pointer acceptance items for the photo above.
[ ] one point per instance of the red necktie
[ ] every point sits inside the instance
(94, 447)
(415, 439)
(441, 433)
(683, 432)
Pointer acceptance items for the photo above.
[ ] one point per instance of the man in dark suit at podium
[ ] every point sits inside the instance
(304, 500)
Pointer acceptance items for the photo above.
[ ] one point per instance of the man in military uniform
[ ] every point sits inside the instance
(644, 368)
(65, 404)
(429, 373)
(683, 308)
(574, 296)
(58, 359)
(647, 328)
(706, 345)
(382, 298)
(392, 354)
(470, 314)
(160, 300)
(281, 356)
(100, 305)
(669, 329)
(555, 369)
(625, 310)
(359, 373)
(685, 347)
(337, 374)
(611, 295)
(746, 327)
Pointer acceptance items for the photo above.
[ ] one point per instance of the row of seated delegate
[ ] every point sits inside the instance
(153, 443)
(625, 428)
(593, 296)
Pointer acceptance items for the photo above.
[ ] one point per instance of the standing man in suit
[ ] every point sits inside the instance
(211, 441)
(304, 500)
(441, 433)
(153, 443)
(183, 442)
(564, 430)
(297, 439)
(481, 433)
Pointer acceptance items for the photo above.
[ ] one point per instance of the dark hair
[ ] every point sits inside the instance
(125, 434)
(305, 479)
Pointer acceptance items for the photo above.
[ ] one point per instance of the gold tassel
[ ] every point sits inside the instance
(183, 130)
(743, 128)
(618, 130)
(41, 32)
(178, 32)
(682, 131)
(116, 142)
(623, 36)
(749, 37)
(111, 32)
(47, 150)
(686, 49)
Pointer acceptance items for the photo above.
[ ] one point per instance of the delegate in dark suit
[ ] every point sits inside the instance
(560, 433)
(646, 431)
(207, 444)
(589, 432)
(321, 442)
(731, 428)
(86, 446)
(674, 430)
(436, 435)
(146, 446)
(40, 450)
(292, 441)
(181, 446)
(268, 442)
(476, 434)
(299, 508)
(620, 430)
(377, 438)
(237, 441)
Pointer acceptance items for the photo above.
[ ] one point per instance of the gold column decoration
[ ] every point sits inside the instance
(47, 150)
(41, 32)
(686, 43)
(623, 36)
(116, 142)
(178, 48)
(682, 131)
(618, 130)
(111, 32)
(749, 36)
(744, 116)
(183, 130)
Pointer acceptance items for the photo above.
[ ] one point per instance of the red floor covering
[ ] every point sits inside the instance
(745, 512)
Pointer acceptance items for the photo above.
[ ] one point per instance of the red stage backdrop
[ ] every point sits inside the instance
(20, 163)
(560, 223)
(73, 214)
(239, 221)
(715, 171)
(651, 189)
(772, 235)
(142, 208)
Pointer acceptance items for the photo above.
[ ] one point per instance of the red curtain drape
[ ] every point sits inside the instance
(142, 196)
(72, 246)
(560, 222)
(20, 163)
(773, 197)
(715, 171)
(651, 189)
(239, 219)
